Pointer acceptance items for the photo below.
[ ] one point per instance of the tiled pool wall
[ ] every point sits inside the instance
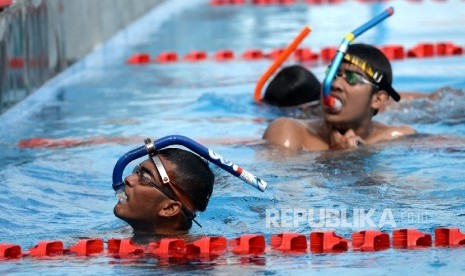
(40, 38)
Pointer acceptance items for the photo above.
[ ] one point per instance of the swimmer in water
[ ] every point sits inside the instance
(164, 193)
(360, 95)
(293, 86)
(296, 91)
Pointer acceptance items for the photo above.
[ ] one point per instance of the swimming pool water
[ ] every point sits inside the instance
(65, 193)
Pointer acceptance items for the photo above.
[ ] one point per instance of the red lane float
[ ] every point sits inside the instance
(208, 248)
(326, 54)
(393, 52)
(289, 242)
(288, 2)
(196, 56)
(38, 142)
(226, 2)
(124, 247)
(87, 247)
(48, 143)
(305, 54)
(167, 248)
(421, 50)
(224, 55)
(253, 54)
(168, 56)
(448, 49)
(10, 251)
(370, 240)
(47, 249)
(410, 238)
(449, 237)
(16, 63)
(5, 3)
(327, 242)
(248, 244)
(141, 58)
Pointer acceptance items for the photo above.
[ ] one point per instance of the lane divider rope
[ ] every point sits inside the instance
(210, 247)
(392, 52)
(291, 2)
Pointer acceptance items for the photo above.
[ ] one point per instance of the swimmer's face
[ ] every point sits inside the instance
(353, 89)
(144, 201)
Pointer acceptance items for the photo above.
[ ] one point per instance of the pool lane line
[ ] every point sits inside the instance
(207, 247)
(326, 54)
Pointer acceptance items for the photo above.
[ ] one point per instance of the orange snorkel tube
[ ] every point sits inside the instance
(278, 61)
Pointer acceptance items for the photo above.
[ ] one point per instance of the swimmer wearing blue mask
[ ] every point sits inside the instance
(361, 87)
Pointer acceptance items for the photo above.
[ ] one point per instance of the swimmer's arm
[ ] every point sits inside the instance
(407, 96)
(400, 131)
(284, 132)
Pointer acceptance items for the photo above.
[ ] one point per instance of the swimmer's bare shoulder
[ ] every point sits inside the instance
(286, 132)
(295, 134)
(384, 132)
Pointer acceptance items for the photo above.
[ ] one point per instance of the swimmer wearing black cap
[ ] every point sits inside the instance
(363, 85)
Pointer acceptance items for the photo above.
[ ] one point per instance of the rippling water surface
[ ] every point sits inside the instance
(65, 193)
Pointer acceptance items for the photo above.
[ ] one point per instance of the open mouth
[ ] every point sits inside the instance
(336, 108)
(122, 196)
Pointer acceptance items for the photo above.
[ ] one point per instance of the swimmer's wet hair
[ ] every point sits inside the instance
(292, 86)
(193, 175)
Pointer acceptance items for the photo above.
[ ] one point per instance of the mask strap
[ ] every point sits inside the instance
(161, 169)
(166, 180)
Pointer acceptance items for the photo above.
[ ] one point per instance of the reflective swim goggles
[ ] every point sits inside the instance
(168, 188)
(353, 78)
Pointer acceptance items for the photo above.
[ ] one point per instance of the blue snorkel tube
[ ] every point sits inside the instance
(149, 147)
(331, 102)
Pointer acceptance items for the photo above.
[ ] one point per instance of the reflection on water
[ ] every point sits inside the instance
(441, 106)
(65, 192)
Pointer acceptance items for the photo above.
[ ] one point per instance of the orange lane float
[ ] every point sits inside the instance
(206, 247)
(196, 56)
(393, 52)
(47, 249)
(410, 238)
(449, 237)
(140, 58)
(224, 55)
(167, 56)
(289, 2)
(289, 242)
(421, 50)
(370, 240)
(10, 251)
(87, 247)
(248, 244)
(325, 55)
(5, 3)
(210, 247)
(327, 242)
(253, 54)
